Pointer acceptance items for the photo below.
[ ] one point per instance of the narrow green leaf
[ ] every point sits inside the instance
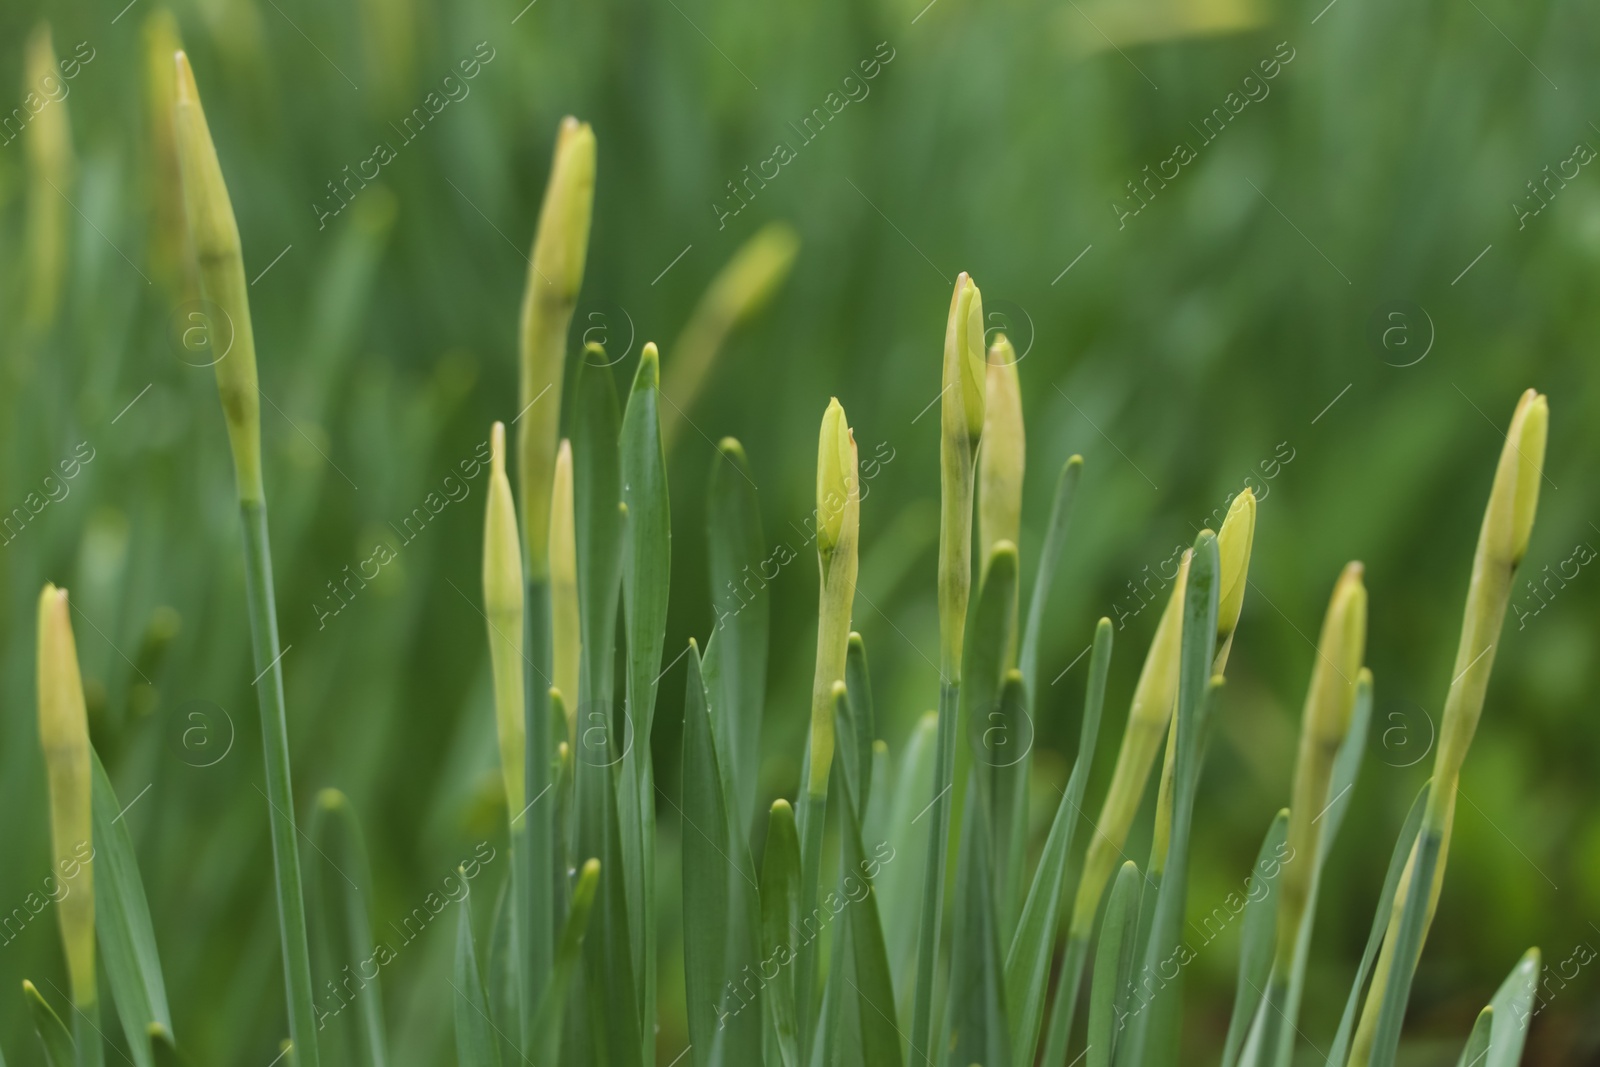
(1257, 937)
(780, 925)
(1112, 964)
(1513, 1011)
(740, 569)
(1339, 1052)
(1476, 1054)
(1153, 1035)
(47, 1024)
(868, 964)
(983, 665)
(863, 722)
(545, 1041)
(604, 828)
(1028, 961)
(715, 950)
(1407, 948)
(122, 921)
(1007, 741)
(976, 1014)
(900, 884)
(475, 1038)
(1055, 540)
(647, 560)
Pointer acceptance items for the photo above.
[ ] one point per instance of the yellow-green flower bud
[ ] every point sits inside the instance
(1003, 455)
(566, 639)
(219, 261)
(965, 369)
(64, 737)
(838, 522)
(740, 290)
(1502, 542)
(560, 249)
(47, 140)
(1148, 715)
(961, 416)
(166, 232)
(502, 603)
(836, 478)
(1234, 542)
(1336, 676)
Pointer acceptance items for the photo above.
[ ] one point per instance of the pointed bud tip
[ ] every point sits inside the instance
(781, 806)
(497, 449)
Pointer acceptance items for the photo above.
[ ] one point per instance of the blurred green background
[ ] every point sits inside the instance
(1241, 324)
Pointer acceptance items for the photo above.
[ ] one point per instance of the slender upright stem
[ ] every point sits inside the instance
(535, 864)
(280, 791)
(1065, 1008)
(933, 875)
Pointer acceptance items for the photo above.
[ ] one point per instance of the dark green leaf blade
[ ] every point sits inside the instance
(1476, 1054)
(47, 1024)
(1513, 1011)
(1113, 960)
(545, 1041)
(780, 925)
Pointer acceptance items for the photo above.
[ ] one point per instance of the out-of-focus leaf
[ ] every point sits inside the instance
(1513, 1010)
(47, 1024)
(338, 907)
(900, 883)
(1476, 1054)
(475, 1039)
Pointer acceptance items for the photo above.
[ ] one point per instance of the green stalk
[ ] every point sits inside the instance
(215, 240)
(560, 249)
(1502, 542)
(961, 425)
(838, 537)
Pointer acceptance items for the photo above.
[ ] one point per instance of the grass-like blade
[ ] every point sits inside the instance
(647, 559)
(780, 925)
(1152, 1038)
(602, 828)
(1476, 1054)
(1257, 938)
(867, 969)
(1513, 1011)
(342, 921)
(975, 1012)
(1339, 1051)
(122, 922)
(717, 945)
(475, 1038)
(1028, 961)
(1112, 964)
(545, 1041)
(736, 655)
(47, 1024)
(863, 724)
(900, 883)
(1055, 539)
(1407, 947)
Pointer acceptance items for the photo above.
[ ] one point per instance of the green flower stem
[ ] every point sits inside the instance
(280, 790)
(535, 866)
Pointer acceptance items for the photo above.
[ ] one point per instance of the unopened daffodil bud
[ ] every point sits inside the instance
(1234, 542)
(836, 478)
(560, 249)
(219, 262)
(64, 737)
(838, 522)
(1002, 458)
(502, 601)
(965, 368)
